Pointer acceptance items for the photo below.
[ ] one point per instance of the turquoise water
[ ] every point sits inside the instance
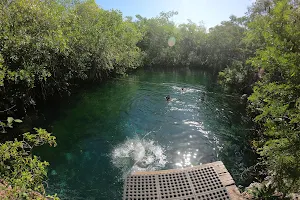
(108, 131)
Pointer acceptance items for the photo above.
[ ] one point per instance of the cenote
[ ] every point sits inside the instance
(108, 131)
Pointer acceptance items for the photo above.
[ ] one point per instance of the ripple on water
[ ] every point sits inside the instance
(196, 127)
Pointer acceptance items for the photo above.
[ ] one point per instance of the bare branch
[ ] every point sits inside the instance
(2, 111)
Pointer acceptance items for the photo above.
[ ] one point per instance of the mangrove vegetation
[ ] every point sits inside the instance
(50, 47)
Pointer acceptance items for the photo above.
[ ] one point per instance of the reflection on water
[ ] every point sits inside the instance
(126, 125)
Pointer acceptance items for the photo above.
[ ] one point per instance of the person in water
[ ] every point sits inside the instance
(168, 98)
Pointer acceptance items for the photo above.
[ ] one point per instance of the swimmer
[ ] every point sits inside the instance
(168, 98)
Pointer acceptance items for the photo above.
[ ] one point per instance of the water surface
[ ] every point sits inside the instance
(126, 125)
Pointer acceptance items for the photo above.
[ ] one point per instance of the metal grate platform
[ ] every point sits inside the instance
(197, 183)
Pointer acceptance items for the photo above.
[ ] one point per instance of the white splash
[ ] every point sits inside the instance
(186, 90)
(181, 109)
(138, 155)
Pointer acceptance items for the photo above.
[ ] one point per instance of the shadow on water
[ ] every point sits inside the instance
(126, 125)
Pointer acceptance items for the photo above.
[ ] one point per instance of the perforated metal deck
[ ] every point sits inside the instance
(205, 182)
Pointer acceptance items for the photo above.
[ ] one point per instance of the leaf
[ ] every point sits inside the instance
(10, 120)
(18, 121)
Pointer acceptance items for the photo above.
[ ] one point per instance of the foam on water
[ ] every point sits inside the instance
(186, 90)
(138, 155)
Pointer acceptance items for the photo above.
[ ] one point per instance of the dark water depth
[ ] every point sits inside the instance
(125, 125)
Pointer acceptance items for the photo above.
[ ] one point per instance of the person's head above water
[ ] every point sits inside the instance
(168, 98)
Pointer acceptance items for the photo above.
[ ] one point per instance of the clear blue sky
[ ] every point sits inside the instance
(211, 12)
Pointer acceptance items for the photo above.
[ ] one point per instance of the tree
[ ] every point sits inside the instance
(276, 97)
(192, 44)
(45, 46)
(22, 174)
(155, 41)
(225, 43)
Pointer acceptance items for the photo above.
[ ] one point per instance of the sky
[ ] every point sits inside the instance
(211, 12)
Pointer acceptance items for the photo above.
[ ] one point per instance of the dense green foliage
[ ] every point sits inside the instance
(276, 97)
(189, 41)
(194, 46)
(47, 47)
(273, 36)
(21, 172)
